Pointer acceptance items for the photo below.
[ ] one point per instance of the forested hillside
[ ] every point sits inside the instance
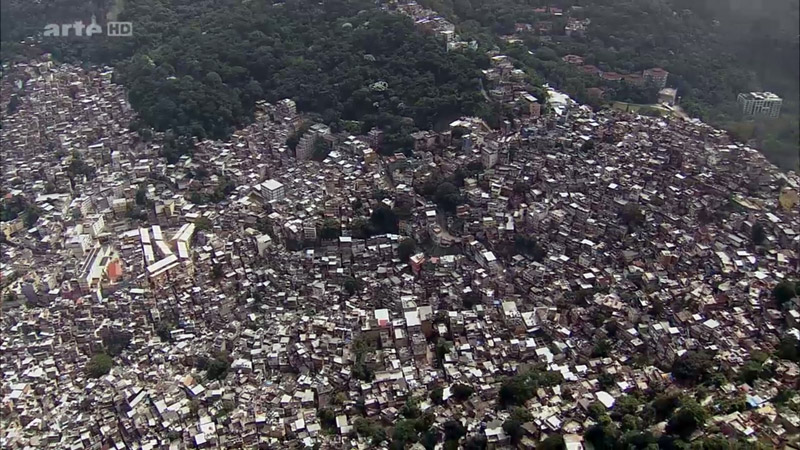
(198, 67)
(713, 49)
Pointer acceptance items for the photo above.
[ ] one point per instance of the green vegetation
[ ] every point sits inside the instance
(99, 365)
(462, 392)
(601, 349)
(745, 47)
(406, 249)
(521, 387)
(513, 425)
(448, 196)
(757, 367)
(217, 366)
(436, 395)
(361, 348)
(327, 419)
(529, 246)
(470, 299)
(115, 342)
(692, 367)
(789, 349)
(443, 347)
(331, 229)
(351, 285)
(552, 442)
(203, 76)
(369, 429)
(757, 234)
(688, 418)
(382, 220)
(784, 291)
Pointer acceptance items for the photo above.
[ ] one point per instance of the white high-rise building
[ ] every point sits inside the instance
(272, 190)
(488, 157)
(760, 104)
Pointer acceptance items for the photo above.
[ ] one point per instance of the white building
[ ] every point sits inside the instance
(305, 147)
(272, 190)
(287, 108)
(762, 104)
(263, 242)
(488, 157)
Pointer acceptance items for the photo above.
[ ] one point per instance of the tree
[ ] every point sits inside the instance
(406, 248)
(784, 291)
(461, 392)
(602, 435)
(692, 367)
(361, 347)
(411, 408)
(596, 410)
(320, 149)
(476, 442)
(217, 368)
(163, 331)
(601, 349)
(330, 229)
(471, 299)
(757, 234)
(369, 429)
(552, 442)
(327, 419)
(403, 433)
(627, 405)
(453, 430)
(528, 246)
(13, 104)
(437, 395)
(31, 215)
(513, 425)
(442, 349)
(687, 419)
(351, 285)
(664, 405)
(521, 387)
(606, 380)
(632, 215)
(203, 224)
(789, 348)
(99, 365)
(384, 220)
(447, 196)
(141, 195)
(116, 341)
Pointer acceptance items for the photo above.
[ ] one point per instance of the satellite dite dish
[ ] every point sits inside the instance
(379, 86)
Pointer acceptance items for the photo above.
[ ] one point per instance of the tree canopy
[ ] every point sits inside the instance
(692, 367)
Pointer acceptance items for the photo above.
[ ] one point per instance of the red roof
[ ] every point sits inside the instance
(656, 71)
(591, 69)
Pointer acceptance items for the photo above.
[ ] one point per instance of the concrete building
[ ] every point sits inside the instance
(668, 96)
(760, 104)
(488, 157)
(305, 148)
(272, 190)
(657, 76)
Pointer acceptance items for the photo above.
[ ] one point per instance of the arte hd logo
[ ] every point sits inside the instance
(79, 29)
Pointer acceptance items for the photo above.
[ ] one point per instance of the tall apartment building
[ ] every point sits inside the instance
(488, 157)
(761, 104)
(272, 190)
(286, 108)
(657, 76)
(305, 147)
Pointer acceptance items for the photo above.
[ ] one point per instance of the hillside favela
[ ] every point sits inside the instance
(400, 225)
